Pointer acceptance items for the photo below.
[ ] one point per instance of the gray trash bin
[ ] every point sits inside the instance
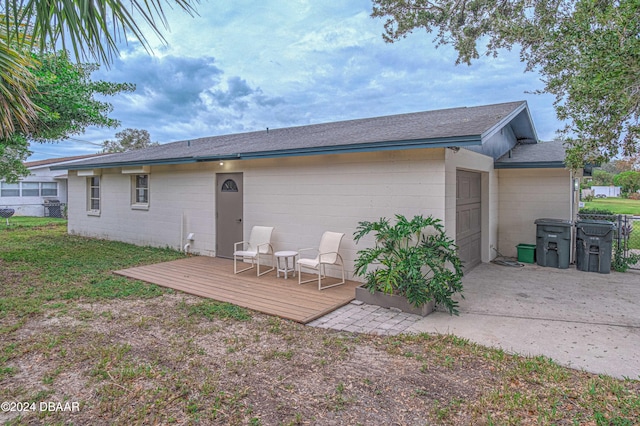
(553, 242)
(594, 245)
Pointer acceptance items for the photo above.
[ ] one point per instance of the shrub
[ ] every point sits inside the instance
(416, 260)
(634, 196)
(622, 262)
(597, 211)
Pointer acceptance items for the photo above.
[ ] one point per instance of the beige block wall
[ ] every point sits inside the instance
(305, 196)
(181, 200)
(474, 162)
(300, 196)
(526, 195)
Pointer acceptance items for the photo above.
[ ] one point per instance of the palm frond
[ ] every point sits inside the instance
(92, 29)
(17, 111)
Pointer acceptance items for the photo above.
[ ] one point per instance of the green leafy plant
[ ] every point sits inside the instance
(411, 258)
(622, 262)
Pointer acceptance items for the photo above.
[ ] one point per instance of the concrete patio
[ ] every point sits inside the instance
(583, 320)
(587, 321)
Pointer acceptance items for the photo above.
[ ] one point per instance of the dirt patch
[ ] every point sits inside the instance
(151, 362)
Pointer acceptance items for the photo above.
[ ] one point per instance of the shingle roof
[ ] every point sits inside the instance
(543, 154)
(448, 127)
(48, 161)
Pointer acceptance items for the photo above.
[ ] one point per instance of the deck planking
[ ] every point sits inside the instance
(214, 278)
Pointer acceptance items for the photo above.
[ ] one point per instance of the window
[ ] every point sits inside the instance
(49, 189)
(141, 189)
(229, 185)
(30, 189)
(93, 184)
(9, 189)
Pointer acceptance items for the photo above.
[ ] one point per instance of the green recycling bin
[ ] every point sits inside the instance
(594, 245)
(553, 242)
(526, 253)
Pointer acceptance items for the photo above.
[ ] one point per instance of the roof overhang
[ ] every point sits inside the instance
(522, 124)
(459, 141)
(126, 164)
(530, 165)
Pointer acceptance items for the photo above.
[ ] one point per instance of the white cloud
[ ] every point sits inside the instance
(243, 65)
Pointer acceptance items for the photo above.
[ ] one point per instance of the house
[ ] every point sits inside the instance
(43, 192)
(479, 169)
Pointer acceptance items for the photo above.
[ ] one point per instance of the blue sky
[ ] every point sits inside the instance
(244, 65)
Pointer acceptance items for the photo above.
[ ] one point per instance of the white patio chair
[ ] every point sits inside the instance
(259, 245)
(327, 255)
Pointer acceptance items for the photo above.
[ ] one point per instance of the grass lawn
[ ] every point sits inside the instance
(132, 353)
(28, 221)
(616, 205)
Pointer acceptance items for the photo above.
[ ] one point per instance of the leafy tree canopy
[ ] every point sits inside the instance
(64, 96)
(128, 140)
(586, 51)
(628, 163)
(628, 181)
(601, 178)
(622, 164)
(13, 151)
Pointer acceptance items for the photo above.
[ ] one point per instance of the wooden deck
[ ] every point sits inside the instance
(214, 278)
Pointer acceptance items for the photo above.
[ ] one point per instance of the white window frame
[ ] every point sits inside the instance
(7, 189)
(94, 182)
(25, 187)
(53, 189)
(140, 193)
(18, 189)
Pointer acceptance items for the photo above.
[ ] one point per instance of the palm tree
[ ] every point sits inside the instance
(88, 28)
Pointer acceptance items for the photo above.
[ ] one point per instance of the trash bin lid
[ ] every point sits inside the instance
(548, 221)
(594, 222)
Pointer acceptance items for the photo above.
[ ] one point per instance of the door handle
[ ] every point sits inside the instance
(239, 220)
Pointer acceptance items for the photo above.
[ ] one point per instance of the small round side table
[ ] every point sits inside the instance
(282, 262)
